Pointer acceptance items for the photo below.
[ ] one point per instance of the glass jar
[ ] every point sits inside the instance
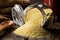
(18, 14)
(47, 17)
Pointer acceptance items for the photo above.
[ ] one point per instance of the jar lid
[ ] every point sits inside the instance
(17, 14)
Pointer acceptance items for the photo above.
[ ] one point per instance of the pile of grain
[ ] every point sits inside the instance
(32, 26)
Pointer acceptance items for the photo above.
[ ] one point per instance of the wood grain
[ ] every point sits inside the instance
(9, 36)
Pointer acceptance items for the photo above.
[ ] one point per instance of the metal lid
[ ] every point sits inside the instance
(17, 15)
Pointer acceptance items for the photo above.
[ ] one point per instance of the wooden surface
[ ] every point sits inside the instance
(9, 36)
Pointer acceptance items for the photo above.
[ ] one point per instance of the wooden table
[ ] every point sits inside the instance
(9, 36)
